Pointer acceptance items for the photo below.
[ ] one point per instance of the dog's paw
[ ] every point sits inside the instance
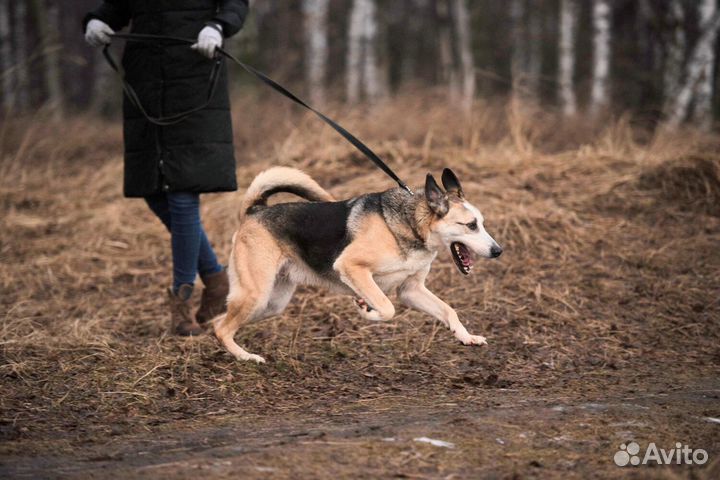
(468, 339)
(256, 358)
(366, 311)
(250, 357)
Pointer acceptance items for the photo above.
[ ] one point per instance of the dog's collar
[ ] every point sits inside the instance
(417, 235)
(412, 223)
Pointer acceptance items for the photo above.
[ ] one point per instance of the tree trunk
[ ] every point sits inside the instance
(535, 42)
(356, 30)
(409, 14)
(362, 63)
(566, 48)
(21, 56)
(46, 23)
(447, 59)
(702, 112)
(526, 61)
(371, 70)
(519, 57)
(674, 56)
(701, 55)
(646, 25)
(7, 72)
(316, 48)
(102, 101)
(461, 19)
(601, 55)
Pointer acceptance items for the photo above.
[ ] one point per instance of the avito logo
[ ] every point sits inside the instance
(629, 454)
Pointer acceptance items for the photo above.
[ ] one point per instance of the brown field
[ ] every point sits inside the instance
(602, 315)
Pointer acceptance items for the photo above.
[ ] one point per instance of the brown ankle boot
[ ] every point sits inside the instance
(214, 296)
(182, 322)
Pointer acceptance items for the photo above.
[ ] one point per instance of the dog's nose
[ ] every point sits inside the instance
(495, 251)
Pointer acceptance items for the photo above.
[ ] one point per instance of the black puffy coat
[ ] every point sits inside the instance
(195, 155)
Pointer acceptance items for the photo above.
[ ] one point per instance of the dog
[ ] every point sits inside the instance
(366, 246)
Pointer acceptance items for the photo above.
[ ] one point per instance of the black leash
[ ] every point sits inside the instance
(213, 81)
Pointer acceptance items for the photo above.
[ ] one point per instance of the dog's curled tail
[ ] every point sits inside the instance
(282, 179)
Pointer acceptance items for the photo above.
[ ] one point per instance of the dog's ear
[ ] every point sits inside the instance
(436, 199)
(451, 183)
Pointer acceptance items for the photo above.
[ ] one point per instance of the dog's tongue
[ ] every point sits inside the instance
(465, 256)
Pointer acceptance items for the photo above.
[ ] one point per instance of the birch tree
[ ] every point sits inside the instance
(355, 50)
(702, 110)
(362, 63)
(566, 48)
(371, 71)
(316, 48)
(461, 20)
(674, 54)
(6, 63)
(701, 55)
(601, 55)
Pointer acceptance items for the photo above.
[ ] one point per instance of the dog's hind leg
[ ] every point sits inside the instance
(415, 294)
(254, 263)
(282, 292)
(226, 327)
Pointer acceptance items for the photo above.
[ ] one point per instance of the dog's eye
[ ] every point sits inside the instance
(473, 226)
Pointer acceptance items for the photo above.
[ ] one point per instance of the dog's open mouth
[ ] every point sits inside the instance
(463, 257)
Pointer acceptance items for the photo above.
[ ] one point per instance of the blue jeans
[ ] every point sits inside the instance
(191, 250)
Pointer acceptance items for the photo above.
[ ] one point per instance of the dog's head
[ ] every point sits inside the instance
(456, 223)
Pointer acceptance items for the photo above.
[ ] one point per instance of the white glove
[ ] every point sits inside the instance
(97, 33)
(208, 40)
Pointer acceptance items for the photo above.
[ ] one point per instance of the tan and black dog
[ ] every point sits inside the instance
(367, 247)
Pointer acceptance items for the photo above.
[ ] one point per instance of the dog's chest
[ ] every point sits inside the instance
(395, 271)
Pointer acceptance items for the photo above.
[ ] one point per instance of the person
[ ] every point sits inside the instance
(170, 166)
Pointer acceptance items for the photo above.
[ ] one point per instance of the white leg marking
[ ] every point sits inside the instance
(417, 296)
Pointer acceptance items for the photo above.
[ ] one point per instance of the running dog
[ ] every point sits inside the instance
(366, 246)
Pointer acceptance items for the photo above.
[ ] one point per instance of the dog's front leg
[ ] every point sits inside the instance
(360, 280)
(416, 295)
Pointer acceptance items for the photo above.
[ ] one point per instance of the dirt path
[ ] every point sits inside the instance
(509, 433)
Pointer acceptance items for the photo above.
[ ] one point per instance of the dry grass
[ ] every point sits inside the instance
(611, 273)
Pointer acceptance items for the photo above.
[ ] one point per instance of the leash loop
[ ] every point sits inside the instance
(213, 82)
